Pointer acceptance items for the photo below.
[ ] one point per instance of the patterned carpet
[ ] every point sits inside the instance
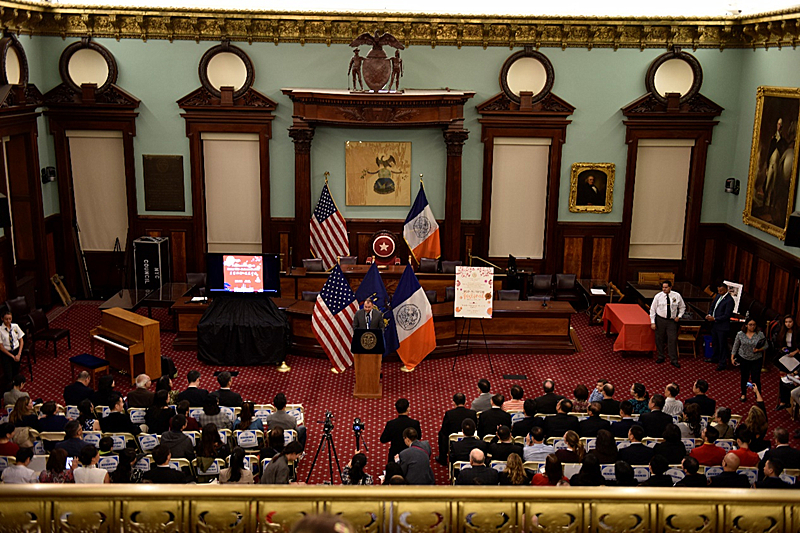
(429, 388)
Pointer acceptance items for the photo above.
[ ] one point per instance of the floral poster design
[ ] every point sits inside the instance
(474, 290)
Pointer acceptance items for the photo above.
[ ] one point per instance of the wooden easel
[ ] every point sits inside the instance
(66, 299)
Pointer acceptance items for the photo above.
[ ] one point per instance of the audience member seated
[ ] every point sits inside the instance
(516, 401)
(106, 447)
(553, 475)
(546, 403)
(691, 424)
(772, 471)
(729, 478)
(88, 472)
(514, 473)
(212, 415)
(597, 392)
(535, 448)
(581, 402)
(789, 457)
(672, 447)
(624, 476)
(459, 450)
(88, 417)
(19, 473)
(672, 405)
(75, 393)
(640, 400)
(118, 420)
(723, 416)
(141, 396)
(162, 472)
(56, 470)
(247, 418)
(589, 474)
(51, 421)
(658, 477)
(610, 405)
(620, 428)
(691, 477)
(637, 453)
(493, 418)
(236, 473)
(126, 471)
(182, 408)
(179, 444)
(523, 427)
(478, 473)
(505, 445)
(556, 426)
(415, 459)
(105, 391)
(226, 396)
(73, 442)
(280, 418)
(353, 472)
(451, 423)
(16, 392)
(274, 444)
(593, 424)
(165, 383)
(707, 405)
(158, 415)
(277, 471)
(193, 393)
(574, 452)
(484, 400)
(23, 415)
(746, 456)
(709, 454)
(393, 431)
(210, 447)
(605, 448)
(7, 446)
(656, 420)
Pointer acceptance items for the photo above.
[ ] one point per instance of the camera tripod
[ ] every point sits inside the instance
(326, 438)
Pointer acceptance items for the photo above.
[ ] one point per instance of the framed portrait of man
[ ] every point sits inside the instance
(772, 179)
(591, 188)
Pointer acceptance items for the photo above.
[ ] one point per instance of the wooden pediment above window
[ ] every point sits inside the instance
(501, 104)
(202, 98)
(17, 96)
(696, 107)
(113, 97)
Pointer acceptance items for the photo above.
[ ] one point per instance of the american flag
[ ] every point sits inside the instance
(328, 231)
(332, 319)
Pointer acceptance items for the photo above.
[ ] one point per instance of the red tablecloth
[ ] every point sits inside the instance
(633, 325)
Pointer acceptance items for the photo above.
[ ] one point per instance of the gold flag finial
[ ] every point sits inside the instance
(327, 174)
(420, 178)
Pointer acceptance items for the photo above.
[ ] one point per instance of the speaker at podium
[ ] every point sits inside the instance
(367, 348)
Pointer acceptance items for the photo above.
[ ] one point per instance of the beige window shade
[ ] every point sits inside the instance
(519, 196)
(98, 178)
(233, 192)
(659, 198)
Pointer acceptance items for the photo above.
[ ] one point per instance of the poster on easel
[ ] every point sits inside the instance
(474, 289)
(735, 290)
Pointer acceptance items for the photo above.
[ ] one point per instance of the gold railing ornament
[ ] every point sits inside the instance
(284, 367)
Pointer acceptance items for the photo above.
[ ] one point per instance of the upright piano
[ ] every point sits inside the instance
(132, 342)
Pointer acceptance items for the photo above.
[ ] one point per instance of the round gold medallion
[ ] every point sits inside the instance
(368, 340)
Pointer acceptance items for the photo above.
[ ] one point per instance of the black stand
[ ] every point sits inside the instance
(468, 325)
(326, 437)
(359, 442)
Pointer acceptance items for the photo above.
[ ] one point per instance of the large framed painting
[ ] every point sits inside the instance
(772, 180)
(591, 188)
(378, 173)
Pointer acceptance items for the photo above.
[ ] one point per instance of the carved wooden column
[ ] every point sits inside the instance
(302, 134)
(454, 138)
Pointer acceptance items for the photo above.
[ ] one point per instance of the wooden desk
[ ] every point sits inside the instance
(688, 292)
(633, 325)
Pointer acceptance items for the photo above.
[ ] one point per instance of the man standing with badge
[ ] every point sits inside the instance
(369, 317)
(11, 342)
(665, 313)
(720, 313)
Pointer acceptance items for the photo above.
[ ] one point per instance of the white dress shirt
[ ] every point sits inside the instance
(659, 306)
(672, 406)
(6, 335)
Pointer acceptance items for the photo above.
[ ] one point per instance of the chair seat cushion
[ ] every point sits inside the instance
(87, 360)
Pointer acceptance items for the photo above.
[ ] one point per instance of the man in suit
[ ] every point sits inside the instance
(226, 396)
(707, 405)
(637, 453)
(505, 445)
(729, 478)
(562, 421)
(162, 473)
(459, 450)
(369, 317)
(773, 468)
(493, 418)
(593, 424)
(393, 431)
(75, 393)
(484, 400)
(620, 429)
(789, 457)
(118, 420)
(720, 313)
(522, 428)
(452, 424)
(415, 459)
(547, 402)
(478, 473)
(140, 396)
(656, 420)
(610, 406)
(193, 393)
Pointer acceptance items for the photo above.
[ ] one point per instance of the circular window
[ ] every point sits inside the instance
(527, 70)
(13, 63)
(674, 72)
(226, 65)
(87, 62)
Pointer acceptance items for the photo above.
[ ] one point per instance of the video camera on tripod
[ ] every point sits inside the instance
(328, 427)
(358, 425)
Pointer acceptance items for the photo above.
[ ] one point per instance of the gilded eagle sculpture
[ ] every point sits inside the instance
(376, 69)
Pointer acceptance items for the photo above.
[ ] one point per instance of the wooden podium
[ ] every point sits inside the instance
(367, 348)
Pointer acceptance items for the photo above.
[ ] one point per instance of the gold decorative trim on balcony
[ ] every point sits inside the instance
(767, 30)
(166, 508)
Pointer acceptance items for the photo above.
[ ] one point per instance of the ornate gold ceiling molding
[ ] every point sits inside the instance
(762, 31)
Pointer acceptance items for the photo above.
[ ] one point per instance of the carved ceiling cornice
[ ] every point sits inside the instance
(767, 30)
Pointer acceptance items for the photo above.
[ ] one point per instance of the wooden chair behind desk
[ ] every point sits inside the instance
(655, 278)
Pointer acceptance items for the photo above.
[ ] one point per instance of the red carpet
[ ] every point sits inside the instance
(429, 388)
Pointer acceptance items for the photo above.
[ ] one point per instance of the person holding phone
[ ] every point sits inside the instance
(747, 354)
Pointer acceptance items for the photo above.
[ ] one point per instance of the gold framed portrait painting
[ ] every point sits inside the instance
(378, 173)
(591, 188)
(772, 179)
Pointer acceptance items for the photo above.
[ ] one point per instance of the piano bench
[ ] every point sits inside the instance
(94, 365)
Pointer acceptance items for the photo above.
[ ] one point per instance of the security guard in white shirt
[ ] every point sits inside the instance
(665, 313)
(11, 342)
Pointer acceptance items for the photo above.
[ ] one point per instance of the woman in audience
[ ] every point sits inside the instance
(581, 402)
(210, 447)
(212, 415)
(574, 452)
(623, 472)
(589, 475)
(756, 422)
(672, 448)
(274, 445)
(182, 408)
(787, 344)
(747, 354)
(23, 414)
(247, 418)
(691, 426)
(105, 387)
(514, 473)
(553, 475)
(88, 471)
(125, 472)
(56, 470)
(353, 473)
(640, 400)
(605, 448)
(165, 383)
(236, 473)
(88, 418)
(159, 414)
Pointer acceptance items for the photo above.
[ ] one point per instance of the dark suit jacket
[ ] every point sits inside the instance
(194, 395)
(722, 315)
(501, 450)
(610, 407)
(773, 483)
(451, 423)
(788, 456)
(119, 423)
(160, 474)
(654, 423)
(75, 393)
(730, 480)
(140, 398)
(672, 452)
(620, 429)
(556, 426)
(707, 405)
(593, 424)
(491, 419)
(228, 398)
(636, 454)
(459, 451)
(524, 426)
(477, 475)
(393, 433)
(360, 320)
(547, 403)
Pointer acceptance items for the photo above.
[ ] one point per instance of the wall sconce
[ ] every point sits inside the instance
(732, 186)
(48, 174)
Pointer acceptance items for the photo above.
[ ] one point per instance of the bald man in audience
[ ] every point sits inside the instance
(729, 478)
(478, 473)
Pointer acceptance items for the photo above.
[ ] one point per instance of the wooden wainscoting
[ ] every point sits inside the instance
(181, 236)
(589, 250)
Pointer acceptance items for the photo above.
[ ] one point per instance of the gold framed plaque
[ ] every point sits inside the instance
(591, 188)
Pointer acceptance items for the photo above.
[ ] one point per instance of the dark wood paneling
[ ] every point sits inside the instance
(730, 261)
(179, 230)
(780, 288)
(598, 248)
(573, 254)
(760, 285)
(745, 266)
(602, 257)
(709, 250)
